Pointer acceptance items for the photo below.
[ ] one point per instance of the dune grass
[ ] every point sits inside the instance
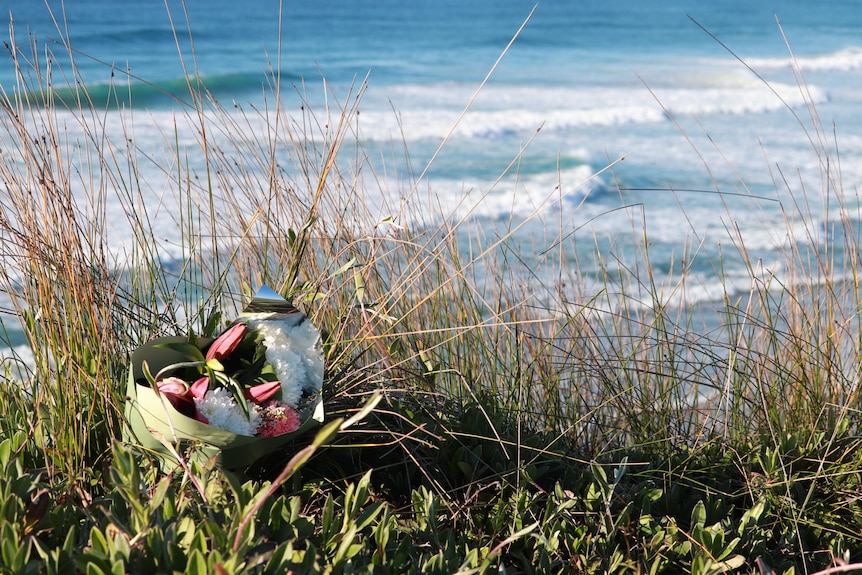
(522, 427)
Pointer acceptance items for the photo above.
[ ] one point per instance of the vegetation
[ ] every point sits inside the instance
(589, 433)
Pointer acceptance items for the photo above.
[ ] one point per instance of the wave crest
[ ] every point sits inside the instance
(519, 111)
(841, 61)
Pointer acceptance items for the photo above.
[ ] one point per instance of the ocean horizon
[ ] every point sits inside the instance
(698, 126)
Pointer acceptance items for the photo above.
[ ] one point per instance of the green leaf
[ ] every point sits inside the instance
(14, 556)
(345, 267)
(158, 497)
(236, 390)
(327, 525)
(5, 452)
(368, 516)
(701, 565)
(751, 517)
(347, 548)
(698, 515)
(359, 286)
(214, 365)
(99, 543)
(197, 563)
(212, 324)
(727, 549)
(620, 471)
(734, 562)
(190, 351)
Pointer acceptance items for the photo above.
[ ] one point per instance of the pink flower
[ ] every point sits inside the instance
(226, 342)
(199, 388)
(260, 393)
(177, 392)
(277, 419)
(173, 386)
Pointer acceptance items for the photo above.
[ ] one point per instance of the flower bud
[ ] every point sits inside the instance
(177, 392)
(199, 388)
(260, 393)
(224, 344)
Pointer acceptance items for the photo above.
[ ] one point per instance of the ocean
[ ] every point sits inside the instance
(686, 123)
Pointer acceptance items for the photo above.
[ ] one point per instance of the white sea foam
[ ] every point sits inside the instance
(843, 60)
(521, 110)
(517, 196)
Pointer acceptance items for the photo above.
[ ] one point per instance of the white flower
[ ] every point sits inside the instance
(294, 350)
(222, 411)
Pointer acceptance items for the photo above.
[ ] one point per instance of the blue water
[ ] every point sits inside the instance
(587, 83)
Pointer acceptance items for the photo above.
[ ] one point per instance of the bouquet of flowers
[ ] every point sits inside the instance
(240, 395)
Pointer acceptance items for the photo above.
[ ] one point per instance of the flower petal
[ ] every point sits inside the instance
(262, 392)
(277, 419)
(173, 385)
(176, 391)
(226, 342)
(199, 388)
